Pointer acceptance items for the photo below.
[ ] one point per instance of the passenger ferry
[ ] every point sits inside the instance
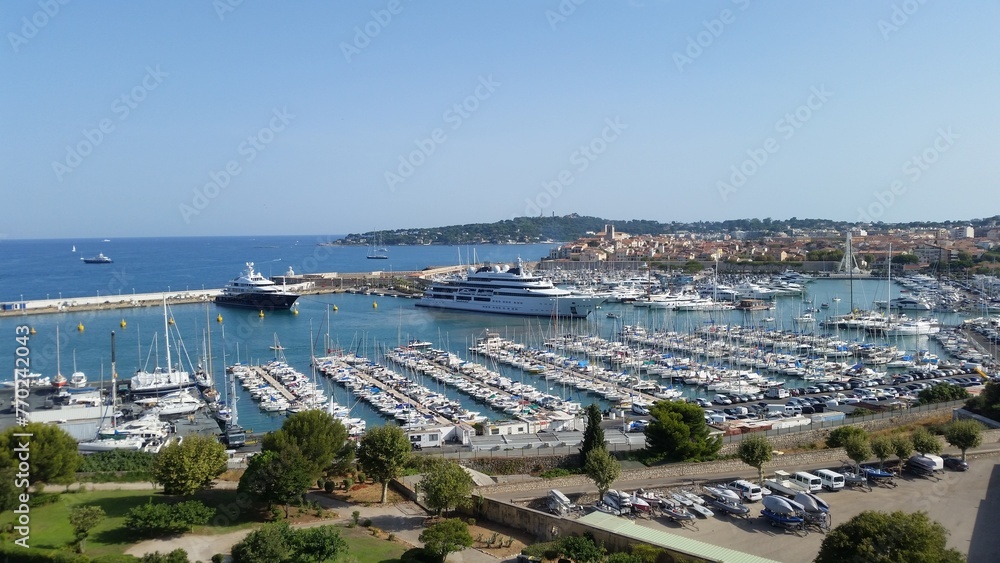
(507, 290)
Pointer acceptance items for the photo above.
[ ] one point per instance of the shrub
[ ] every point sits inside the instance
(218, 558)
(361, 478)
(367, 523)
(418, 555)
(348, 483)
(554, 473)
(356, 517)
(320, 483)
(471, 521)
(153, 519)
(839, 437)
(328, 486)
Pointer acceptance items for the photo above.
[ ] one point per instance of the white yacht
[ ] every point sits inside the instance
(253, 291)
(906, 304)
(507, 290)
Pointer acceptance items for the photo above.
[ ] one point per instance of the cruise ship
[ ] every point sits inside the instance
(507, 290)
(254, 291)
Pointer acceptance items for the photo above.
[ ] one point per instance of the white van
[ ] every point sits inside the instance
(776, 393)
(830, 480)
(746, 490)
(808, 480)
(793, 410)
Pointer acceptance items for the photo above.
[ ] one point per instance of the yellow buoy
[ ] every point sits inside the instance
(171, 321)
(33, 331)
(261, 313)
(295, 311)
(219, 318)
(79, 327)
(334, 307)
(374, 305)
(122, 323)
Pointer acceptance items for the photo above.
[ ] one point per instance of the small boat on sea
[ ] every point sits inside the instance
(253, 291)
(99, 259)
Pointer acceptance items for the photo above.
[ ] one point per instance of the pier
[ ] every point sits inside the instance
(262, 373)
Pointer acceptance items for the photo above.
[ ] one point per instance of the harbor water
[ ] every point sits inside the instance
(328, 323)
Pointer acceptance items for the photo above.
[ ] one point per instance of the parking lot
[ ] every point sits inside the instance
(967, 504)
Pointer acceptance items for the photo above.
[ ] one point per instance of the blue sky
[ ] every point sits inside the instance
(332, 117)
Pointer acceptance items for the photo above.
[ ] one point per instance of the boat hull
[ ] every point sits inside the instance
(570, 307)
(264, 302)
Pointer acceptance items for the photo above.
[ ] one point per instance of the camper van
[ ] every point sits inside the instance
(808, 480)
(830, 480)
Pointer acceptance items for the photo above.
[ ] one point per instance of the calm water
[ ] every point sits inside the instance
(39, 268)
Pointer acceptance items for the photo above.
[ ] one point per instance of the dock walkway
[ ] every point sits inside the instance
(273, 383)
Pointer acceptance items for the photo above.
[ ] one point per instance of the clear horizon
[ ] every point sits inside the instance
(232, 118)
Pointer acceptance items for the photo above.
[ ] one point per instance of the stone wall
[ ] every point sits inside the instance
(521, 465)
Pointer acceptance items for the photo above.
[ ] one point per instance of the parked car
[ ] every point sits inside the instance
(956, 464)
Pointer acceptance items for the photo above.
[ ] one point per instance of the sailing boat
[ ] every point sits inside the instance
(377, 250)
(160, 381)
(113, 440)
(59, 381)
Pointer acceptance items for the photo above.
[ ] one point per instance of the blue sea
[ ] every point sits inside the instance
(38, 269)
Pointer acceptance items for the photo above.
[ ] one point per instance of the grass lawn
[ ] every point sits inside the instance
(369, 549)
(50, 528)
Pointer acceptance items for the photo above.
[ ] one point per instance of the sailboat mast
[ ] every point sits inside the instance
(166, 333)
(114, 383)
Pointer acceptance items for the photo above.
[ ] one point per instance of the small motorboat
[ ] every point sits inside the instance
(693, 497)
(854, 480)
(639, 505)
(817, 510)
(701, 511)
(673, 510)
(727, 501)
(879, 476)
(789, 521)
(682, 499)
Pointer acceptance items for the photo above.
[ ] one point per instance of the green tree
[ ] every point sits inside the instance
(190, 466)
(942, 392)
(267, 544)
(882, 448)
(277, 477)
(582, 549)
(755, 450)
(839, 436)
(321, 438)
(857, 449)
(446, 536)
(83, 519)
(905, 259)
(677, 432)
(902, 446)
(318, 544)
(53, 452)
(964, 434)
(693, 267)
(383, 453)
(593, 434)
(160, 518)
(986, 403)
(602, 468)
(879, 537)
(446, 484)
(925, 442)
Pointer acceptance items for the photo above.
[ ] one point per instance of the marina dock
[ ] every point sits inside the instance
(274, 383)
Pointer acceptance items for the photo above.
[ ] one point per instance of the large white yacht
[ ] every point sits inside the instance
(254, 291)
(507, 290)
